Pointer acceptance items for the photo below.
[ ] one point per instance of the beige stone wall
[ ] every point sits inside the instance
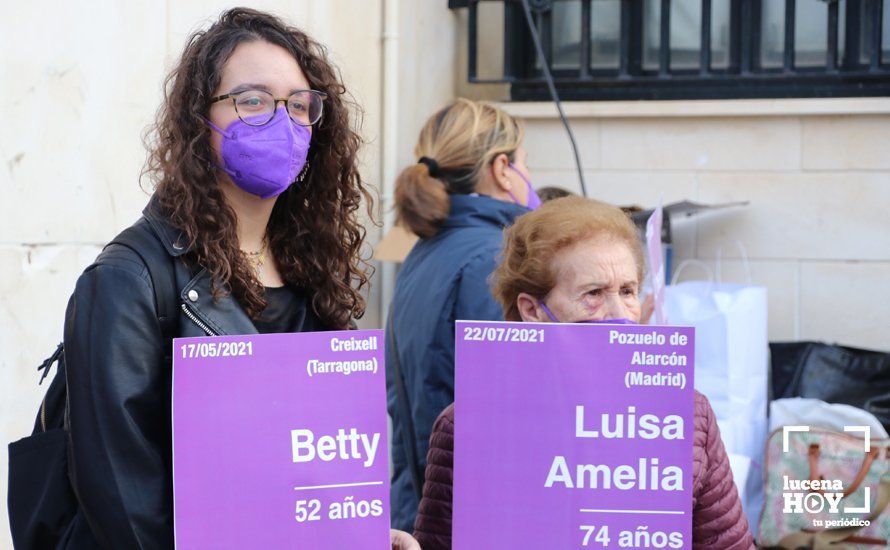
(816, 174)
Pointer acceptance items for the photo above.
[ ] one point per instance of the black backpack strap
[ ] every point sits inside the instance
(409, 438)
(162, 270)
(41, 499)
(140, 239)
(48, 362)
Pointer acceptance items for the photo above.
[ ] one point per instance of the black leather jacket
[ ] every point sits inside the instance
(119, 385)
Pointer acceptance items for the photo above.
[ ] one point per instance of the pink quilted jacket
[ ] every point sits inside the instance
(717, 519)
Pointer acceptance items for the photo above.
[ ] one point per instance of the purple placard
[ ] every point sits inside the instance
(244, 472)
(524, 394)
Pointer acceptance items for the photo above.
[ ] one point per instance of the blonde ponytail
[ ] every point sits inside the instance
(455, 144)
(422, 201)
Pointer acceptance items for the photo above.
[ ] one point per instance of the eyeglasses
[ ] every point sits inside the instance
(257, 107)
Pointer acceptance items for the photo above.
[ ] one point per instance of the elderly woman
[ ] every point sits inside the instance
(577, 260)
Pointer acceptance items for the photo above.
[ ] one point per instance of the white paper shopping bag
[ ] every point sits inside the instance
(731, 363)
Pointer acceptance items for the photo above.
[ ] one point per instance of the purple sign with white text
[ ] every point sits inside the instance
(573, 436)
(279, 441)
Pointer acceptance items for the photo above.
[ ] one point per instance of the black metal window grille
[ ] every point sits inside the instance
(690, 49)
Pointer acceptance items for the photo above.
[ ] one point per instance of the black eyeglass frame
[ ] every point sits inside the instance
(234, 97)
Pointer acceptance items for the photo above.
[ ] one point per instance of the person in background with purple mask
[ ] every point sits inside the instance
(254, 221)
(470, 181)
(576, 260)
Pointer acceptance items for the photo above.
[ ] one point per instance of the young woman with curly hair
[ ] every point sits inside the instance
(254, 161)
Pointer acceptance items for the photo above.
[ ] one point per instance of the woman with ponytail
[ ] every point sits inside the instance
(470, 181)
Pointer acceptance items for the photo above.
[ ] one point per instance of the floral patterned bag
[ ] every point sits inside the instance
(825, 492)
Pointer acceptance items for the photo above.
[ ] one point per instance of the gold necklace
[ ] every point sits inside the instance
(258, 258)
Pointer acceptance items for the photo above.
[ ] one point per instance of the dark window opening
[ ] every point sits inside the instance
(683, 49)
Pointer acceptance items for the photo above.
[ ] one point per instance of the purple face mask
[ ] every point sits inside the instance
(264, 160)
(601, 321)
(534, 201)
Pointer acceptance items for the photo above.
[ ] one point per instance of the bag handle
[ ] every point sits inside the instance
(697, 263)
(745, 263)
(870, 457)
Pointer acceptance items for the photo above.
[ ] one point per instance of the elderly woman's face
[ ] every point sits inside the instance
(596, 280)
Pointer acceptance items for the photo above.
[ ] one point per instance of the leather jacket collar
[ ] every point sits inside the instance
(221, 316)
(171, 237)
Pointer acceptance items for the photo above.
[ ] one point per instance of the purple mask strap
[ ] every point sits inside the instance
(601, 321)
(619, 321)
(533, 200)
(219, 130)
(548, 312)
(521, 175)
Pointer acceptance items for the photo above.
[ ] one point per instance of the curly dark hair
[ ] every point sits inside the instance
(314, 232)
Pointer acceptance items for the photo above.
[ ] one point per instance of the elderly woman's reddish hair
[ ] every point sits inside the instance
(532, 243)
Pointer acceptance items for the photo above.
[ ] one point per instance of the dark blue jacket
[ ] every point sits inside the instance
(444, 278)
